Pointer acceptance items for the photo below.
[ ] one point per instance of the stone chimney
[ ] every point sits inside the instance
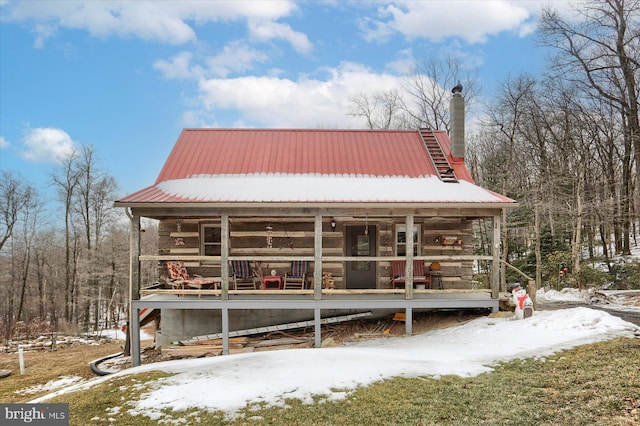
(456, 134)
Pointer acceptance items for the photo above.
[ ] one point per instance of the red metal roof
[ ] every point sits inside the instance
(316, 152)
(326, 152)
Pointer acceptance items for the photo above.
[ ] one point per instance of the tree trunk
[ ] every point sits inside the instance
(576, 245)
(25, 280)
(538, 250)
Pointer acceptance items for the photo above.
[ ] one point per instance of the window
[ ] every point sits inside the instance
(401, 240)
(211, 244)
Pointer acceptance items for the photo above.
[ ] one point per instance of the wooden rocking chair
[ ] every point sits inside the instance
(298, 276)
(398, 278)
(243, 276)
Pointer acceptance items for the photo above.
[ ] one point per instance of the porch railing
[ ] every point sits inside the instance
(212, 261)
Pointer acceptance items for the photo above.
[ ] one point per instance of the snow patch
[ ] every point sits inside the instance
(276, 187)
(229, 383)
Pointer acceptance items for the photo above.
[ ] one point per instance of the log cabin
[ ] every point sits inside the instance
(352, 206)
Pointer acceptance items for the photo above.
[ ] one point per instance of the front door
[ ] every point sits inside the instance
(361, 241)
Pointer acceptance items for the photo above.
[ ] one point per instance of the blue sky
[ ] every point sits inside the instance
(127, 76)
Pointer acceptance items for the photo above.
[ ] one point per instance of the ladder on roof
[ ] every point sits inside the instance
(438, 158)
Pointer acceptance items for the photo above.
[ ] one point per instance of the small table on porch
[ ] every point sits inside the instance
(272, 282)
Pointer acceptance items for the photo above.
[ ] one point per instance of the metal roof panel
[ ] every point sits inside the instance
(295, 151)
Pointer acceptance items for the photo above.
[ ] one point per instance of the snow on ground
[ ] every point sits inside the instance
(121, 335)
(51, 385)
(228, 383)
(565, 295)
(617, 300)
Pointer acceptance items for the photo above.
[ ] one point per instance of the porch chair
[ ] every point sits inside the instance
(179, 277)
(298, 276)
(397, 275)
(243, 276)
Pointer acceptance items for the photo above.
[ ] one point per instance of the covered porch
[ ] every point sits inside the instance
(339, 243)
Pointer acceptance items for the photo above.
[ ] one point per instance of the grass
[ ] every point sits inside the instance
(44, 366)
(591, 384)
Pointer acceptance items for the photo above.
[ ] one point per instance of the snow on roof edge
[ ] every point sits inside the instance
(279, 187)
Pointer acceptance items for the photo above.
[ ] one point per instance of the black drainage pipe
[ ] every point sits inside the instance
(94, 364)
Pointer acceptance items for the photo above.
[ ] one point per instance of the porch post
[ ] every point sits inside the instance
(317, 329)
(408, 286)
(134, 329)
(134, 289)
(134, 250)
(224, 256)
(408, 321)
(317, 258)
(495, 253)
(225, 331)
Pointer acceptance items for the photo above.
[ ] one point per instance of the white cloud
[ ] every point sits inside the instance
(235, 57)
(270, 101)
(472, 21)
(164, 21)
(269, 30)
(46, 145)
(405, 63)
(179, 67)
(43, 33)
(4, 143)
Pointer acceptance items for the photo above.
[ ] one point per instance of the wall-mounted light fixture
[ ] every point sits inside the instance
(333, 224)
(269, 236)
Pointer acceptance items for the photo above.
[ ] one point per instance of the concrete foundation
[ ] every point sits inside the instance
(180, 324)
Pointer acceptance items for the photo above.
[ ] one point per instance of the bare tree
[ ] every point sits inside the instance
(423, 101)
(600, 52)
(31, 220)
(65, 179)
(94, 198)
(15, 196)
(429, 87)
(381, 110)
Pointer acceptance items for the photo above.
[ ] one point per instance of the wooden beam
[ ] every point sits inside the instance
(283, 234)
(276, 293)
(134, 252)
(224, 256)
(282, 210)
(409, 257)
(134, 290)
(495, 253)
(335, 259)
(317, 259)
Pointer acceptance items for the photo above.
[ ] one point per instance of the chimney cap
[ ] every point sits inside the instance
(457, 88)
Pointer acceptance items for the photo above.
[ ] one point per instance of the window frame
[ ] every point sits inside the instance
(417, 244)
(204, 243)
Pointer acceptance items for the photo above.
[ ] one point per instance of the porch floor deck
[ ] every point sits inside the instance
(385, 299)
